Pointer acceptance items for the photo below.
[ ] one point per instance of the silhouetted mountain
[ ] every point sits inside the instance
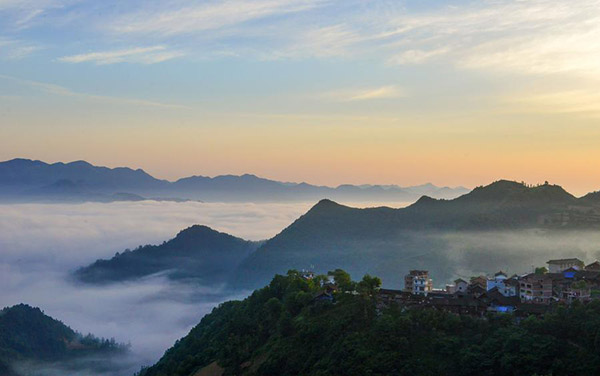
(29, 336)
(382, 241)
(26, 172)
(26, 180)
(388, 242)
(197, 252)
(591, 198)
(65, 190)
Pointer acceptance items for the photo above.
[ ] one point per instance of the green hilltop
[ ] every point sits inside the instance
(285, 329)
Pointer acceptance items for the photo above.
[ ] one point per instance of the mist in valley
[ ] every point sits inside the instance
(452, 255)
(41, 244)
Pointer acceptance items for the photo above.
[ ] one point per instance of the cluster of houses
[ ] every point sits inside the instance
(563, 282)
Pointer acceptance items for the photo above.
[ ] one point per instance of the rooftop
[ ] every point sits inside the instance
(562, 261)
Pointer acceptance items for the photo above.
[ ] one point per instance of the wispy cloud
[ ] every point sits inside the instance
(416, 56)
(351, 95)
(22, 13)
(321, 42)
(202, 16)
(580, 102)
(12, 49)
(65, 92)
(530, 37)
(144, 55)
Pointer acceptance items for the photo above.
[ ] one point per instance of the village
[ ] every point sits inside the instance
(563, 282)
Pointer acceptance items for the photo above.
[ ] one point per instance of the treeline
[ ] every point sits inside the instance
(282, 330)
(26, 333)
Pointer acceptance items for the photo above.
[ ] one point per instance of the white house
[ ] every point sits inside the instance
(418, 282)
(460, 286)
(505, 286)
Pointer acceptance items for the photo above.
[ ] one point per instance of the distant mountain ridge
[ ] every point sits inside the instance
(381, 240)
(27, 180)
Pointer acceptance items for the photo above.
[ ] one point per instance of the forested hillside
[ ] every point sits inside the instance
(197, 252)
(282, 330)
(28, 335)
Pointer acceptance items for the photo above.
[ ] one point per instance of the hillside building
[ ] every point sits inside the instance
(535, 288)
(557, 266)
(418, 282)
(506, 286)
(594, 266)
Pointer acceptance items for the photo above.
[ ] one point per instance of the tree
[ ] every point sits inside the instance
(342, 280)
(369, 285)
(541, 270)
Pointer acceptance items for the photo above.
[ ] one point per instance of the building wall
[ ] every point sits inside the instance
(536, 288)
(559, 267)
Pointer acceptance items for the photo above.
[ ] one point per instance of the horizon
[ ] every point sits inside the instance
(399, 185)
(454, 92)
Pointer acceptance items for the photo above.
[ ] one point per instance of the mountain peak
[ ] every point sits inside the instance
(23, 162)
(200, 233)
(425, 200)
(506, 190)
(80, 163)
(196, 230)
(326, 204)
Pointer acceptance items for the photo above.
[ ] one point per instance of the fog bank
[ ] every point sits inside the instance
(40, 244)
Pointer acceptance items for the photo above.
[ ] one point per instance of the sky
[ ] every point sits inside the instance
(323, 91)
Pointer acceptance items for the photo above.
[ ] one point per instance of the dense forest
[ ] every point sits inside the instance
(27, 334)
(282, 329)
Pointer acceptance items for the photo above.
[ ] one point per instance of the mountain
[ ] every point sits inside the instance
(25, 180)
(198, 253)
(29, 339)
(282, 330)
(505, 224)
(25, 172)
(440, 235)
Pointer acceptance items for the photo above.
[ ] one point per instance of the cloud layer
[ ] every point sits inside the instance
(41, 244)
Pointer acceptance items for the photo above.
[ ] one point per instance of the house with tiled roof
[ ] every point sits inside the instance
(558, 265)
(594, 266)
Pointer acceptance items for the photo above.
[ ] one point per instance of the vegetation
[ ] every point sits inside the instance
(359, 239)
(26, 333)
(281, 330)
(197, 252)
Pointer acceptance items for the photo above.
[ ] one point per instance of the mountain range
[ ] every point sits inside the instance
(25, 180)
(503, 224)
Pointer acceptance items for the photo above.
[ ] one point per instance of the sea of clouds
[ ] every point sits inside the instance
(41, 244)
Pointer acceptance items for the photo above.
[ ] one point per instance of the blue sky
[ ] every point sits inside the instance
(315, 90)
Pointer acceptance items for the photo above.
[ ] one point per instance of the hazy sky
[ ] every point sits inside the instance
(352, 91)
